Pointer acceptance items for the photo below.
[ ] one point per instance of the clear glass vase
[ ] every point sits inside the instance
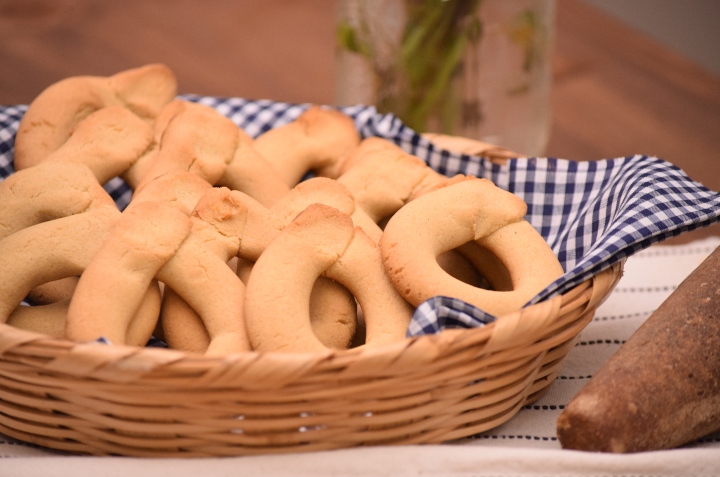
(474, 68)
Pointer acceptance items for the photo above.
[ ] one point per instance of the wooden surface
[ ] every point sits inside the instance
(615, 91)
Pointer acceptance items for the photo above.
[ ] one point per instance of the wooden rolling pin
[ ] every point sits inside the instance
(662, 387)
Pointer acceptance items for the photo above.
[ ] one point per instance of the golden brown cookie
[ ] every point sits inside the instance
(231, 223)
(360, 268)
(333, 309)
(46, 192)
(113, 285)
(213, 290)
(369, 146)
(54, 113)
(318, 140)
(280, 285)
(181, 190)
(249, 172)
(218, 222)
(473, 210)
(109, 141)
(322, 190)
(51, 319)
(384, 178)
(196, 139)
(50, 251)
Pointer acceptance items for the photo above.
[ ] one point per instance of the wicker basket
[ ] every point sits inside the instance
(123, 400)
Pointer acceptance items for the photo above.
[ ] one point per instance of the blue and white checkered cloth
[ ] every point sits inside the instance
(592, 213)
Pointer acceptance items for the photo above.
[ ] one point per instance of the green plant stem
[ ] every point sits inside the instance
(432, 50)
(430, 54)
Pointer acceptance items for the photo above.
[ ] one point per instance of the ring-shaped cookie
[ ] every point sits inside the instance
(318, 141)
(280, 286)
(323, 190)
(231, 223)
(197, 139)
(51, 319)
(54, 113)
(46, 192)
(249, 172)
(211, 288)
(109, 141)
(360, 268)
(112, 287)
(448, 217)
(57, 249)
(217, 222)
(383, 178)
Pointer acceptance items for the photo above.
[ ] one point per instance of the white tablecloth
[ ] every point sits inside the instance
(524, 446)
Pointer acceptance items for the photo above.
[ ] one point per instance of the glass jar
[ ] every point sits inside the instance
(474, 68)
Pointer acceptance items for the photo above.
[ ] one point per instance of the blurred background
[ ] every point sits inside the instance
(690, 27)
(628, 77)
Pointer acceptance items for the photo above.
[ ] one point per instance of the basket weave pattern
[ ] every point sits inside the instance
(122, 400)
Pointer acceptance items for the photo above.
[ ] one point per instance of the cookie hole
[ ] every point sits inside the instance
(476, 266)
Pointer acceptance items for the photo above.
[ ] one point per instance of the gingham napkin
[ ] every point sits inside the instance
(592, 213)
